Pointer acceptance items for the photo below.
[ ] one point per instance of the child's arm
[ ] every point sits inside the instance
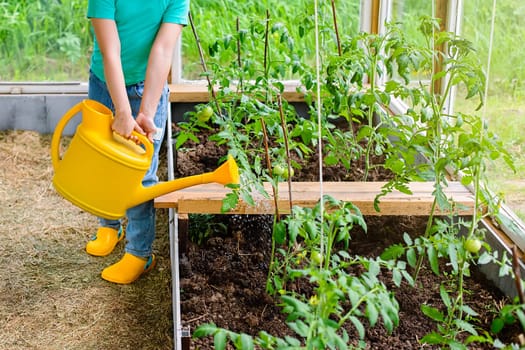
(109, 43)
(159, 63)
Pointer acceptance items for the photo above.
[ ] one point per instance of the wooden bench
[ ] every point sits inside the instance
(207, 198)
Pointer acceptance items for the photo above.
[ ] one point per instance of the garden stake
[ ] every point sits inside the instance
(288, 164)
(517, 273)
(203, 63)
(338, 40)
(269, 166)
(265, 56)
(239, 62)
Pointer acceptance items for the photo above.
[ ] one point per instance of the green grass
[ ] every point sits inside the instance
(505, 116)
(44, 40)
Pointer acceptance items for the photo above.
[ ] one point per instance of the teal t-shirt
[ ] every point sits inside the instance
(138, 22)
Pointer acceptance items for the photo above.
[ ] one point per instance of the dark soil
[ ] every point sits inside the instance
(223, 278)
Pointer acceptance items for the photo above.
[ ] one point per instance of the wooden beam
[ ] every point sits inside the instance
(207, 198)
(374, 17)
(198, 92)
(189, 92)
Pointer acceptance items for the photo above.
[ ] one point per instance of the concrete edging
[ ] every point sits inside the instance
(39, 113)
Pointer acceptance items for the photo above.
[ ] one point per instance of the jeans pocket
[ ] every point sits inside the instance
(137, 90)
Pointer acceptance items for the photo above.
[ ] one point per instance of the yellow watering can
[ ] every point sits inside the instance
(102, 173)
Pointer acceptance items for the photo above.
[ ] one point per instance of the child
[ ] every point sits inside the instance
(132, 55)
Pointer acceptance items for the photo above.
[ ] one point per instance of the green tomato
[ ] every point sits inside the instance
(204, 114)
(473, 245)
(278, 170)
(316, 257)
(286, 174)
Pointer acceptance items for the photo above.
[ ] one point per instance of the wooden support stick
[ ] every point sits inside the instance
(517, 273)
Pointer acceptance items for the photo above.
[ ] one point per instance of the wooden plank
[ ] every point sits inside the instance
(198, 92)
(189, 92)
(207, 198)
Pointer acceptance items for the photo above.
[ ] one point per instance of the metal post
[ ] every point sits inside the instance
(174, 248)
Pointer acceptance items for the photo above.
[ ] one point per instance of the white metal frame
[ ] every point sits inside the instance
(176, 63)
(454, 18)
(173, 223)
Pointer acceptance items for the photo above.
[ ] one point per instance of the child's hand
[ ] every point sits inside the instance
(147, 125)
(125, 125)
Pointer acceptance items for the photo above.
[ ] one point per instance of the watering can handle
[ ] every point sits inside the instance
(148, 145)
(55, 141)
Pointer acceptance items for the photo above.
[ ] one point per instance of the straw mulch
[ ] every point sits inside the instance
(51, 293)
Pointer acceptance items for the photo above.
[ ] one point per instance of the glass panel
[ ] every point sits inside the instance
(409, 13)
(291, 29)
(505, 105)
(44, 40)
(50, 40)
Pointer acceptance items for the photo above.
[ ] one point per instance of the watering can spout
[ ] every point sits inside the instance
(227, 173)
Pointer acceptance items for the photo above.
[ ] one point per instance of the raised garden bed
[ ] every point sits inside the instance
(225, 261)
(329, 276)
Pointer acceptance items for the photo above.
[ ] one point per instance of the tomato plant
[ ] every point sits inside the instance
(265, 134)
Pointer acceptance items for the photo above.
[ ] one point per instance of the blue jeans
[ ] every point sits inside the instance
(140, 230)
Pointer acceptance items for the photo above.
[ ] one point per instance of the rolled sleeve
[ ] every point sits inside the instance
(177, 12)
(101, 9)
